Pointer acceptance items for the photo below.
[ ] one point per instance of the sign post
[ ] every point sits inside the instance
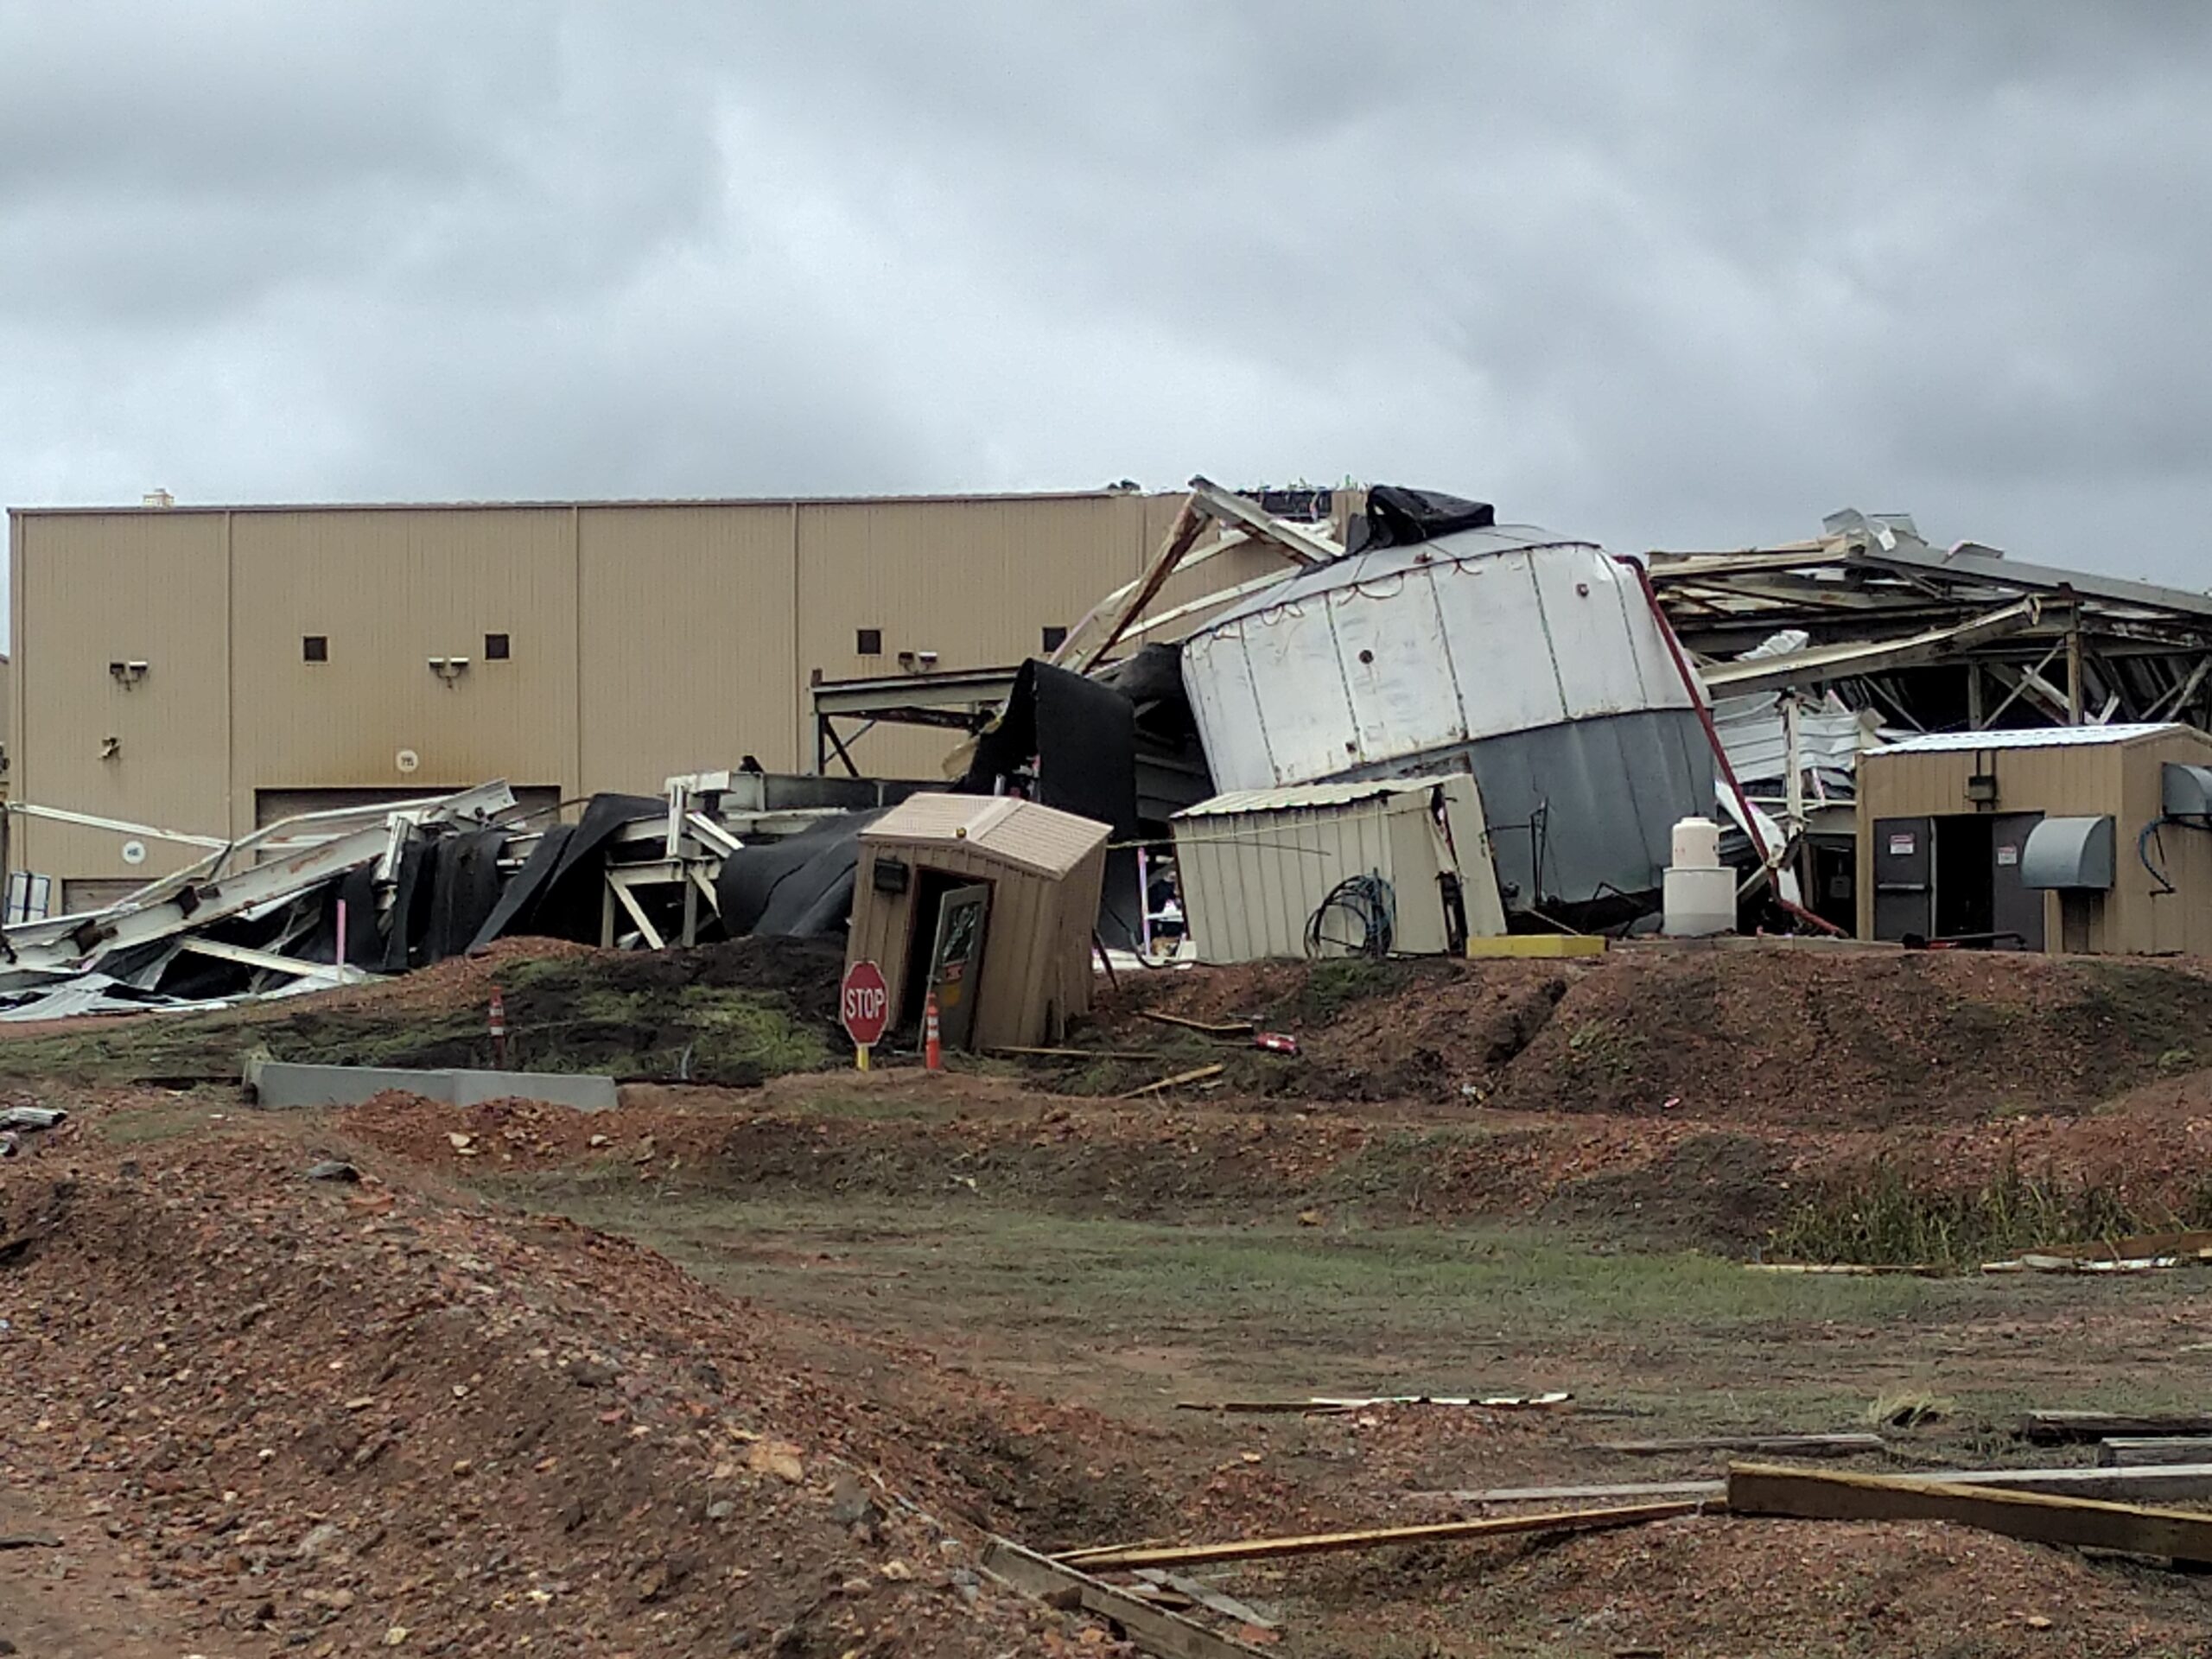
(864, 1006)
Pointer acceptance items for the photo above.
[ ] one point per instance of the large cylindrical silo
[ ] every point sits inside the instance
(1533, 662)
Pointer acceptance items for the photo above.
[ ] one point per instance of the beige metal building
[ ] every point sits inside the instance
(2088, 838)
(205, 669)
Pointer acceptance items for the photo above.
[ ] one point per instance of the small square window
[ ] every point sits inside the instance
(1055, 637)
(497, 648)
(315, 648)
(868, 642)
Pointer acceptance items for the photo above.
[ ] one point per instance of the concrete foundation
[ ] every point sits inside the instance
(280, 1085)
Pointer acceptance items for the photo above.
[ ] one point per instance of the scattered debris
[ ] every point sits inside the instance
(1154, 1629)
(29, 1540)
(334, 1169)
(32, 1118)
(1210, 1599)
(2064, 1427)
(1240, 1028)
(2040, 1517)
(1324, 1405)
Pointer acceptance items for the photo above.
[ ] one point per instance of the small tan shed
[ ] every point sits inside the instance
(1044, 871)
(2074, 839)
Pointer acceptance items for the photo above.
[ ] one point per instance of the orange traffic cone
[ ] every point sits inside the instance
(932, 1048)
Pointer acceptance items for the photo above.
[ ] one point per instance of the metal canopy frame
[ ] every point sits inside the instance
(1925, 634)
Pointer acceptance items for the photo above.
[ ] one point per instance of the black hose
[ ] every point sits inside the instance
(1365, 903)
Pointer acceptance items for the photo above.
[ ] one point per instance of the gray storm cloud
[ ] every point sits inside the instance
(1689, 275)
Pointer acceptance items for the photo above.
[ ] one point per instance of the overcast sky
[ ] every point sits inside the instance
(1668, 273)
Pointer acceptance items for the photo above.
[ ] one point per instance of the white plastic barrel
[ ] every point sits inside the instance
(1697, 845)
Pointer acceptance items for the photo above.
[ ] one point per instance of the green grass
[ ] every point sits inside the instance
(558, 1020)
(1889, 1218)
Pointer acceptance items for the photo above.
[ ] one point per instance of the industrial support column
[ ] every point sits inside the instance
(2074, 661)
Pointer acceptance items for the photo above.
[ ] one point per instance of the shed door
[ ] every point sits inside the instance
(2013, 908)
(1904, 862)
(957, 961)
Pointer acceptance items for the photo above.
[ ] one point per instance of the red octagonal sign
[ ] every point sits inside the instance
(864, 1004)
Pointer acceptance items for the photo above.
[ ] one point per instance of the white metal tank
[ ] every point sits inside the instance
(1534, 662)
(1699, 890)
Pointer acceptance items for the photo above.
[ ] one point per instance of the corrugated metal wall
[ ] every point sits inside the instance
(646, 639)
(2072, 780)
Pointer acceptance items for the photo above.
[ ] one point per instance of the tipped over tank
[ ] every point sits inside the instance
(1531, 661)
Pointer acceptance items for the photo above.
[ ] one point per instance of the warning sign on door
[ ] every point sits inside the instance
(2008, 855)
(1901, 845)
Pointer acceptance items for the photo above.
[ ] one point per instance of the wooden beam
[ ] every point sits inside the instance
(1196, 1074)
(2131, 1452)
(1619, 1492)
(1324, 1543)
(1154, 1629)
(1114, 618)
(2040, 1518)
(2065, 1427)
(1803, 1446)
(1210, 1599)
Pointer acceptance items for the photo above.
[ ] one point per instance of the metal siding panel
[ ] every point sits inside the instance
(127, 585)
(1397, 666)
(389, 590)
(976, 581)
(1227, 707)
(1503, 657)
(687, 660)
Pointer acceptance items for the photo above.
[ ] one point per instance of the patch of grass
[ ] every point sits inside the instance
(1396, 1287)
(1608, 1046)
(1889, 1218)
(1333, 986)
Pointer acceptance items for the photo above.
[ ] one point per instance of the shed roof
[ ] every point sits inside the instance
(2048, 737)
(1039, 839)
(1306, 797)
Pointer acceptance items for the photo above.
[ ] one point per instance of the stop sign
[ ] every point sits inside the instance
(864, 1004)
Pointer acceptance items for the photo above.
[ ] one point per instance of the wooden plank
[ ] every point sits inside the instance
(1275, 1550)
(1619, 1492)
(1196, 1074)
(1154, 1629)
(2129, 1453)
(2167, 1482)
(1210, 1599)
(1803, 1446)
(2040, 1518)
(1550, 946)
(2063, 1428)
(1210, 1027)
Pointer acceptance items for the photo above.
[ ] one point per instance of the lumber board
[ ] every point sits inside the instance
(2169, 1482)
(1155, 1630)
(1210, 1599)
(2038, 1517)
(1803, 1446)
(1196, 1074)
(1210, 1027)
(2061, 1428)
(2125, 1452)
(1618, 1492)
(1323, 1543)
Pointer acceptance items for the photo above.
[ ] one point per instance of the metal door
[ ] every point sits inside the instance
(2013, 908)
(1905, 889)
(957, 961)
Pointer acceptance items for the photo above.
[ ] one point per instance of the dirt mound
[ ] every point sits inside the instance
(1708, 1587)
(1779, 1035)
(330, 1411)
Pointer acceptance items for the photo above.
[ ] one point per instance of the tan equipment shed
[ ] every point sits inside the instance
(2077, 839)
(1261, 871)
(991, 902)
